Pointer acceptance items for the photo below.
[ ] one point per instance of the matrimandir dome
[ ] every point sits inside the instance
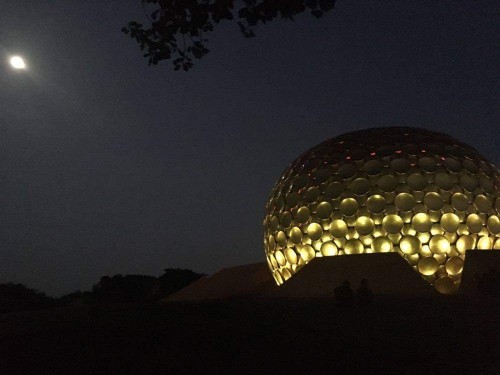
(422, 194)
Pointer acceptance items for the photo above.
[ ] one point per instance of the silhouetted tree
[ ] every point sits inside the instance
(128, 288)
(178, 28)
(175, 279)
(77, 298)
(18, 297)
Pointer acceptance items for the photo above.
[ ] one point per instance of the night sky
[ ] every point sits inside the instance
(110, 166)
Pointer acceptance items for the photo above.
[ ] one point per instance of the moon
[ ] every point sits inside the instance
(17, 62)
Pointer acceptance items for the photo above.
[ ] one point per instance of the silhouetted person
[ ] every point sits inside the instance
(364, 293)
(343, 293)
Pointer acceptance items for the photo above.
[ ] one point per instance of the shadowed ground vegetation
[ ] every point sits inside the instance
(445, 335)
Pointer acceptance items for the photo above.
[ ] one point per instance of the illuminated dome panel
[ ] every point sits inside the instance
(422, 194)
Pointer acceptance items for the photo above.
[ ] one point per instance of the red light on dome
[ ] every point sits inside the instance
(398, 151)
(373, 153)
(347, 158)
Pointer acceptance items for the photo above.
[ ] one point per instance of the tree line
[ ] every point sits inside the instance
(110, 289)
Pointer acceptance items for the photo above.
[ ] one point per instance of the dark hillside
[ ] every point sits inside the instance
(442, 335)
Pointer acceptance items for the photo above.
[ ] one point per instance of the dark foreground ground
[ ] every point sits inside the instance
(446, 335)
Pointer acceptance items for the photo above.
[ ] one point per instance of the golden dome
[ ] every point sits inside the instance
(422, 194)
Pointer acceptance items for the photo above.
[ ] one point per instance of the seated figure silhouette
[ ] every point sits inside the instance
(364, 293)
(343, 293)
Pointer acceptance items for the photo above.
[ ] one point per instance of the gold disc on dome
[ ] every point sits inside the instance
(291, 256)
(303, 214)
(281, 238)
(307, 252)
(412, 259)
(372, 167)
(465, 243)
(439, 244)
(441, 259)
(474, 223)
(280, 258)
(404, 202)
(388, 183)
(349, 207)
(450, 222)
(421, 222)
(459, 202)
(468, 182)
(417, 182)
(324, 210)
(292, 199)
(364, 225)
(347, 171)
(301, 181)
(273, 261)
(427, 164)
(445, 285)
(315, 231)
(484, 243)
(454, 265)
(279, 204)
(427, 266)
(470, 166)
(285, 273)
(452, 165)
(312, 194)
(338, 228)
(376, 204)
(354, 246)
(436, 228)
(482, 203)
(486, 184)
(329, 249)
(410, 245)
(296, 235)
(392, 224)
(286, 219)
(400, 165)
(360, 186)
(273, 223)
(271, 243)
(444, 181)
(277, 277)
(433, 201)
(381, 245)
(322, 174)
(334, 190)
(424, 237)
(493, 224)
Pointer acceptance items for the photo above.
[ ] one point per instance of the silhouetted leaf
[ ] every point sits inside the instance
(178, 27)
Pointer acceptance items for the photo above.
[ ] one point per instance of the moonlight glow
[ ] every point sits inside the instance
(17, 62)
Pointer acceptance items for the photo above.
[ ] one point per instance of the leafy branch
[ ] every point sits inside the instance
(178, 28)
